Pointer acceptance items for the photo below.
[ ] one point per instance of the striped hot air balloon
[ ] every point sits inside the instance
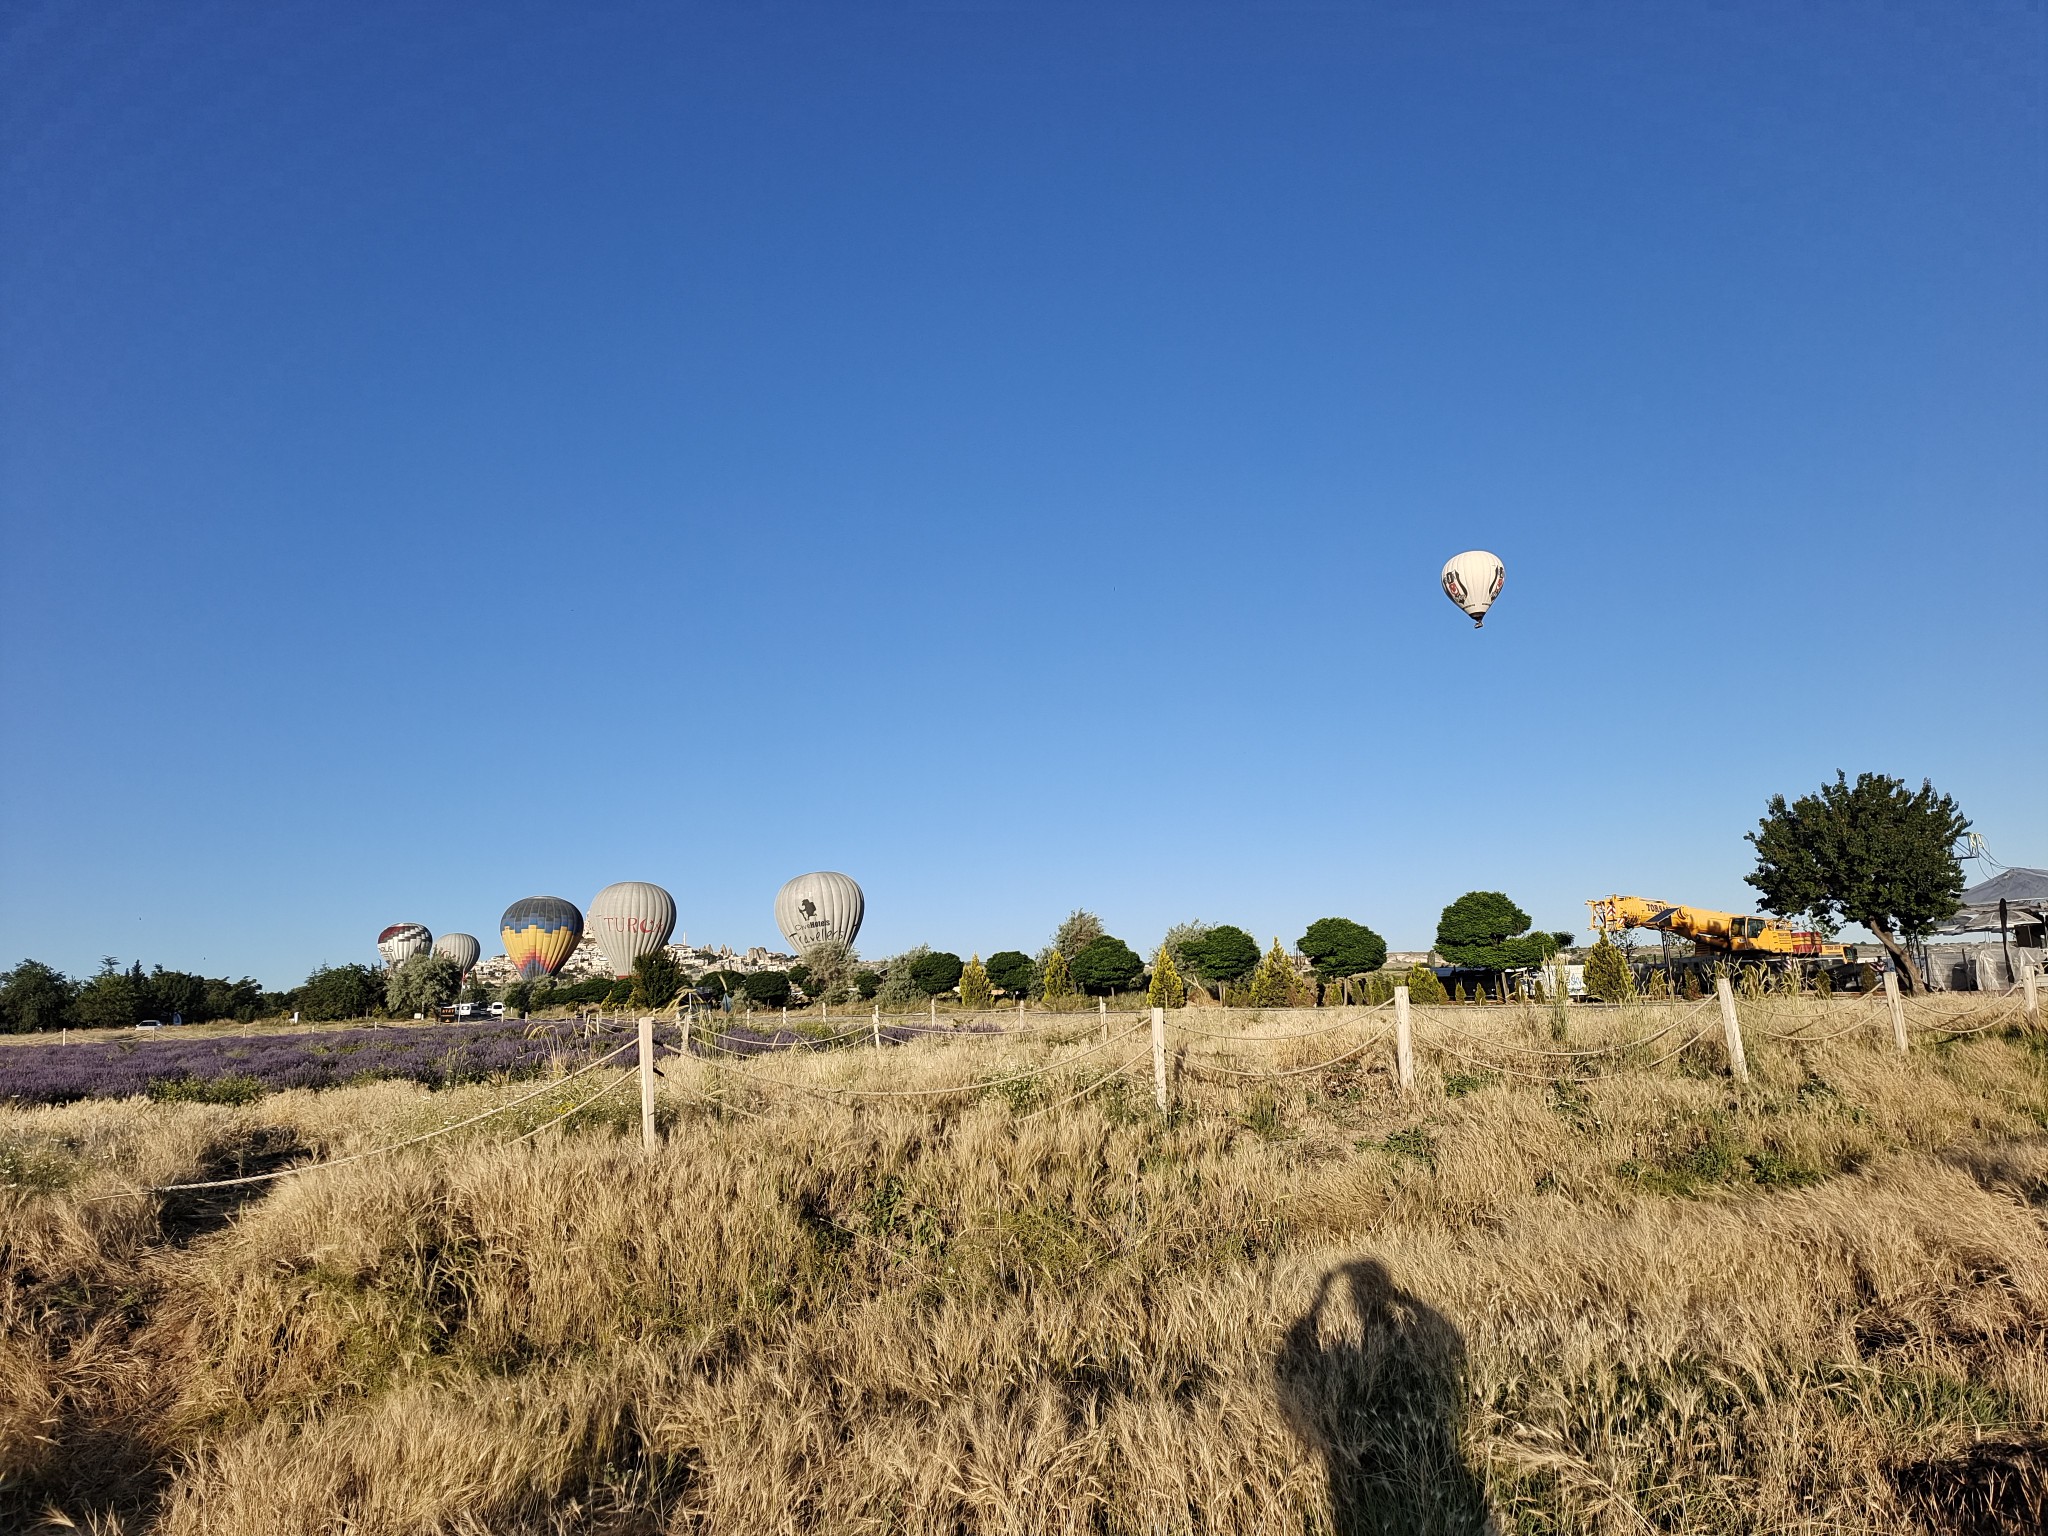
(816, 907)
(629, 920)
(540, 934)
(1473, 580)
(401, 941)
(462, 948)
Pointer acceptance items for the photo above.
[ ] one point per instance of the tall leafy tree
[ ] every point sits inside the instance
(831, 964)
(423, 984)
(340, 992)
(112, 998)
(1012, 970)
(1223, 953)
(1080, 929)
(33, 997)
(1106, 964)
(936, 972)
(1484, 928)
(658, 979)
(1872, 852)
(1336, 946)
(770, 989)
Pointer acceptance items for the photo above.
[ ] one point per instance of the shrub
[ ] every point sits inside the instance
(1336, 946)
(1277, 984)
(1106, 965)
(977, 992)
(830, 967)
(1423, 985)
(1081, 929)
(1167, 989)
(1012, 970)
(1379, 988)
(1607, 974)
(936, 971)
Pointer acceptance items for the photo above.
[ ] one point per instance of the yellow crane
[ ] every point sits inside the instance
(1727, 933)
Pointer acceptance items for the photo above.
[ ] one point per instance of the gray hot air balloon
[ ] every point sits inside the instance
(813, 908)
(401, 941)
(629, 920)
(462, 948)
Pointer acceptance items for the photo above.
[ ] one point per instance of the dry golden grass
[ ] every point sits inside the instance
(1651, 1299)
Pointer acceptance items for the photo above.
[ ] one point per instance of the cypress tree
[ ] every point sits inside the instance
(1275, 984)
(1423, 985)
(1607, 974)
(1057, 982)
(977, 992)
(1167, 989)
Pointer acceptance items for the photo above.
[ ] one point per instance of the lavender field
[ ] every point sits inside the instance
(238, 1068)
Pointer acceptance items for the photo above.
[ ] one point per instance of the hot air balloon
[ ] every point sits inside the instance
(814, 908)
(1472, 581)
(462, 948)
(540, 934)
(629, 920)
(401, 941)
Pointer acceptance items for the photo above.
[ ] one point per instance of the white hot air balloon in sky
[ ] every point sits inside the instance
(1472, 581)
(629, 920)
(401, 941)
(814, 908)
(462, 948)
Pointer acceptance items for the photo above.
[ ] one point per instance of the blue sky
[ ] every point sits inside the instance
(1004, 452)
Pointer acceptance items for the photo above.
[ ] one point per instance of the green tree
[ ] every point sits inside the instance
(518, 998)
(1484, 928)
(34, 997)
(936, 971)
(1276, 983)
(1167, 990)
(1423, 984)
(1336, 946)
(111, 999)
(1608, 976)
(658, 979)
(723, 983)
(1223, 953)
(868, 984)
(1055, 981)
(832, 964)
(1104, 965)
(770, 989)
(422, 985)
(1873, 853)
(340, 992)
(1177, 940)
(1012, 970)
(1081, 929)
(977, 992)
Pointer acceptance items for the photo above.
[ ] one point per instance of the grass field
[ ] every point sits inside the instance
(1638, 1296)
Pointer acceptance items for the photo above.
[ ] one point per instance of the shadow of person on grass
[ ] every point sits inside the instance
(1373, 1382)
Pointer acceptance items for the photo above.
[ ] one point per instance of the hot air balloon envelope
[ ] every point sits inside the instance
(401, 941)
(814, 908)
(540, 934)
(629, 920)
(1472, 581)
(462, 948)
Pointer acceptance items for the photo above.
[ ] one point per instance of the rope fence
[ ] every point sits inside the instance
(1184, 1048)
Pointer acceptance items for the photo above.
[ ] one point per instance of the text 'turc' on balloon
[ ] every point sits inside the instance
(1472, 581)
(629, 920)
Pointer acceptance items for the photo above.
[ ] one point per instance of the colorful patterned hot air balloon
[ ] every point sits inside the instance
(462, 948)
(1472, 581)
(813, 908)
(540, 934)
(629, 920)
(401, 941)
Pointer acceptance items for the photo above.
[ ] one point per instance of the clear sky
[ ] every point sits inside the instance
(1003, 452)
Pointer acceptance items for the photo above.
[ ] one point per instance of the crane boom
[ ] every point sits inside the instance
(1731, 933)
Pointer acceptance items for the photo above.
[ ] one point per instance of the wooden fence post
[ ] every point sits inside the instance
(878, 1026)
(1891, 995)
(2032, 990)
(1731, 1029)
(1404, 1042)
(935, 1013)
(647, 1081)
(1159, 1058)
